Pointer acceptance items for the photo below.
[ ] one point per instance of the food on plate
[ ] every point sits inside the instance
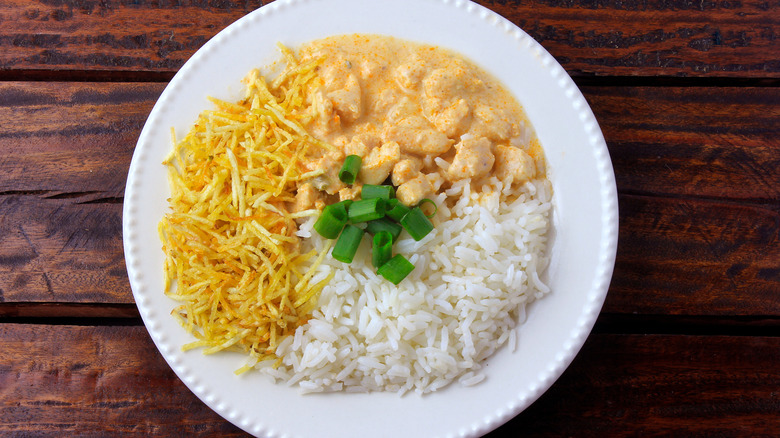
(312, 219)
(230, 237)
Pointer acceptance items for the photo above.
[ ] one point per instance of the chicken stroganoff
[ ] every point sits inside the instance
(417, 114)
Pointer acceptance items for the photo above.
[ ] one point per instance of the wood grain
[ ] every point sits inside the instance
(698, 171)
(661, 385)
(675, 256)
(704, 142)
(94, 381)
(110, 35)
(696, 257)
(722, 142)
(688, 343)
(66, 138)
(653, 38)
(111, 380)
(61, 250)
(628, 38)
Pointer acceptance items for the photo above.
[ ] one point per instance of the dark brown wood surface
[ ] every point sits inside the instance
(686, 93)
(610, 38)
(68, 379)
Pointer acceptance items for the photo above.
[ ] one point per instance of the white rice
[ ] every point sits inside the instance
(474, 274)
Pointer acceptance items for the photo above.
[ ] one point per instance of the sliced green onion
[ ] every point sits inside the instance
(384, 224)
(346, 203)
(374, 191)
(431, 202)
(350, 168)
(396, 210)
(367, 210)
(382, 249)
(347, 245)
(332, 220)
(396, 269)
(416, 223)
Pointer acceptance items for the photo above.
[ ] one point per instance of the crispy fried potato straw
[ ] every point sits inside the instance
(232, 255)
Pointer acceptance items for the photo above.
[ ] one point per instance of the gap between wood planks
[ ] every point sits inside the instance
(95, 197)
(86, 197)
(768, 203)
(695, 325)
(580, 80)
(79, 314)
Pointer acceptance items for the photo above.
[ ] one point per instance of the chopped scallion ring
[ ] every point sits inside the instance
(396, 269)
(416, 223)
(347, 245)
(350, 168)
(382, 248)
(396, 210)
(367, 210)
(374, 191)
(332, 220)
(384, 224)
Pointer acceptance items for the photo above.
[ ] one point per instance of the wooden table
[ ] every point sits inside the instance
(688, 97)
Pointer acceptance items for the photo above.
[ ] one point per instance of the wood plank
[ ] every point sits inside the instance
(97, 381)
(661, 385)
(653, 38)
(65, 156)
(61, 250)
(696, 257)
(110, 35)
(107, 381)
(722, 142)
(710, 142)
(71, 137)
(675, 256)
(626, 38)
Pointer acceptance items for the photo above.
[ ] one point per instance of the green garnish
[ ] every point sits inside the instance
(416, 223)
(347, 245)
(396, 210)
(382, 248)
(332, 220)
(374, 191)
(396, 269)
(350, 168)
(384, 224)
(367, 210)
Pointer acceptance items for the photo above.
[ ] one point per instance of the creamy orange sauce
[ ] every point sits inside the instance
(420, 116)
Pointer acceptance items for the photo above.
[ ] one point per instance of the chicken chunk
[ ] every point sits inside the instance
(453, 120)
(473, 159)
(347, 99)
(369, 69)
(351, 193)
(415, 190)
(331, 164)
(409, 74)
(444, 83)
(402, 109)
(385, 101)
(416, 136)
(514, 164)
(405, 170)
(379, 162)
(493, 123)
(306, 198)
(325, 119)
(361, 145)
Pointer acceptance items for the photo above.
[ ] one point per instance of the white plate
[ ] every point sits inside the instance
(585, 221)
